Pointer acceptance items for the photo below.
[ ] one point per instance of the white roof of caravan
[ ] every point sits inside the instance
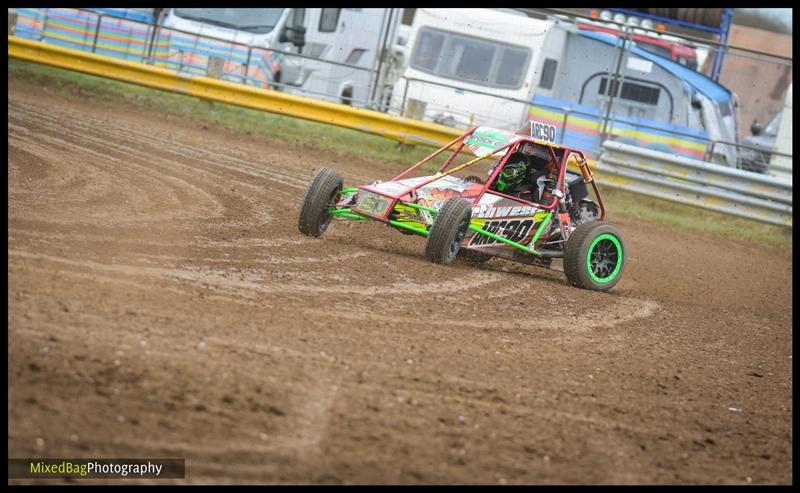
(486, 23)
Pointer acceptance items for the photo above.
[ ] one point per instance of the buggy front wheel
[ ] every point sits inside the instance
(323, 192)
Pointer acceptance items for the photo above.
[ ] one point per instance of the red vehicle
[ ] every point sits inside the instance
(488, 193)
(676, 52)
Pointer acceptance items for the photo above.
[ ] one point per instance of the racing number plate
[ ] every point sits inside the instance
(543, 131)
(372, 204)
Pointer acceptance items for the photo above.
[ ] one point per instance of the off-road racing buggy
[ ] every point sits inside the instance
(461, 198)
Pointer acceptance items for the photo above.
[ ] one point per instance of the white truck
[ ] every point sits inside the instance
(285, 48)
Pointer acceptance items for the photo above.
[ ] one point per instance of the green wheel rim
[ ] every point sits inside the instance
(604, 252)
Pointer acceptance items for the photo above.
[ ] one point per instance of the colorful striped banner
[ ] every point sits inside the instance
(77, 29)
(583, 131)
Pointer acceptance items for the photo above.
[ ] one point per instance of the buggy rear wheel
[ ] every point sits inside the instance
(448, 230)
(594, 256)
(323, 192)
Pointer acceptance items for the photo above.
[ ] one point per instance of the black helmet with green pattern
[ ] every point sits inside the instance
(513, 172)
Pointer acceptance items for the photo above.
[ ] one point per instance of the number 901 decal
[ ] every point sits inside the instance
(543, 131)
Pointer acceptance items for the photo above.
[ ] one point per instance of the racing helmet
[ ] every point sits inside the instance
(513, 173)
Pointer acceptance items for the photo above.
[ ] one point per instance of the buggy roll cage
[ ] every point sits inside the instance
(562, 163)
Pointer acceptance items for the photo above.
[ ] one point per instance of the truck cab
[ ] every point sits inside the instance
(284, 48)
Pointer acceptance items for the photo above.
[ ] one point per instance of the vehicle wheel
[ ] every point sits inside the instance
(322, 193)
(448, 230)
(473, 257)
(347, 96)
(276, 79)
(594, 256)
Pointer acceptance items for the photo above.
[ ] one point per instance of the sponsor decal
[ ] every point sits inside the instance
(515, 230)
(484, 140)
(488, 211)
(408, 214)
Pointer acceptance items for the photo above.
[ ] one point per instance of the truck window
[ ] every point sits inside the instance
(631, 91)
(297, 17)
(725, 109)
(772, 127)
(640, 93)
(696, 118)
(607, 90)
(258, 21)
(548, 73)
(328, 20)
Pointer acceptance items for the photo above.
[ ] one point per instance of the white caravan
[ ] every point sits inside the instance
(352, 37)
(489, 51)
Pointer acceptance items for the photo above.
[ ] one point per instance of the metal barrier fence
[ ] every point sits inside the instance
(401, 129)
(711, 144)
(698, 183)
(187, 52)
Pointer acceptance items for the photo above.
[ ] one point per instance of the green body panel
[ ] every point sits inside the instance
(421, 228)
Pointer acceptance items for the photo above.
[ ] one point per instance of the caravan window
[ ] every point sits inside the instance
(328, 20)
(511, 68)
(470, 59)
(429, 49)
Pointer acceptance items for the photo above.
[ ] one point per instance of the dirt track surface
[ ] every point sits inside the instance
(162, 303)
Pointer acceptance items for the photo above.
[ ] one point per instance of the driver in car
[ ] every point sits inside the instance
(528, 174)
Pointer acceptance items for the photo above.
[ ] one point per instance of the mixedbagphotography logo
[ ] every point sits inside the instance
(96, 468)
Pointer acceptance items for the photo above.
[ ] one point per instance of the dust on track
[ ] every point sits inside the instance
(162, 303)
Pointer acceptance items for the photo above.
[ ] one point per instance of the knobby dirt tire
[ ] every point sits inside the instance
(322, 192)
(448, 230)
